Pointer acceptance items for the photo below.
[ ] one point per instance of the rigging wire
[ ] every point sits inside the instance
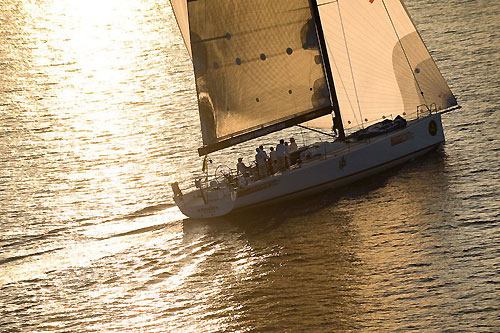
(345, 88)
(350, 65)
(331, 53)
(404, 51)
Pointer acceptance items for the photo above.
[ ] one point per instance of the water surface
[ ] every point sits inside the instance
(98, 115)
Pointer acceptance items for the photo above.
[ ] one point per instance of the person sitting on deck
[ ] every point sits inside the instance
(241, 168)
(260, 159)
(280, 155)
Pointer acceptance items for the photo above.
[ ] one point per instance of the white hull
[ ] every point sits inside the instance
(338, 168)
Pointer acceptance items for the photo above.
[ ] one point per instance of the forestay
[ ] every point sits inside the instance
(362, 38)
(257, 67)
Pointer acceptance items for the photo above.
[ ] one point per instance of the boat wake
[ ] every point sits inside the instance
(78, 246)
(20, 257)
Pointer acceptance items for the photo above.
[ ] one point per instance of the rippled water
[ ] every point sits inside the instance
(98, 115)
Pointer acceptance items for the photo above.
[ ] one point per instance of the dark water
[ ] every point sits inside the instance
(97, 116)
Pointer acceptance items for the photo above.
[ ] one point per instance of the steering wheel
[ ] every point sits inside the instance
(223, 172)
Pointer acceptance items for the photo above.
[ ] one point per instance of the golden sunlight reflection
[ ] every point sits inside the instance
(107, 238)
(100, 57)
(99, 114)
(177, 280)
(245, 262)
(101, 67)
(392, 234)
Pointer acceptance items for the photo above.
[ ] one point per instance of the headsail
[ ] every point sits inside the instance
(257, 66)
(372, 76)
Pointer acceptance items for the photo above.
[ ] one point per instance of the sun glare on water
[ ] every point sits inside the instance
(99, 62)
(94, 71)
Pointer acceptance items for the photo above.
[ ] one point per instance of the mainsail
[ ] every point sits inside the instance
(376, 74)
(257, 67)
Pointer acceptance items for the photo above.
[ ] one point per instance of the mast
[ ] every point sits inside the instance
(328, 71)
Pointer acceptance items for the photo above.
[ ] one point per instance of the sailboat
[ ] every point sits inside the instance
(262, 66)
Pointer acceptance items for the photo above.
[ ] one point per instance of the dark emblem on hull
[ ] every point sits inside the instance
(433, 128)
(342, 163)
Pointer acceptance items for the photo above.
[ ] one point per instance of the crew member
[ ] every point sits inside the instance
(287, 155)
(280, 155)
(241, 167)
(293, 146)
(260, 159)
(273, 160)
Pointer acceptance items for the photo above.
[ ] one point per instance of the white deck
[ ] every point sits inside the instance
(342, 166)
